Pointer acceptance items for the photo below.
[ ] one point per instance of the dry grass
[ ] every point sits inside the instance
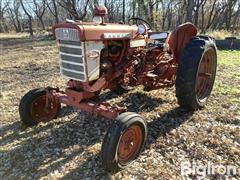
(222, 34)
(69, 146)
(13, 35)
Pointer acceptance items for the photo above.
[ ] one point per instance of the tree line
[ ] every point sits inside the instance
(27, 15)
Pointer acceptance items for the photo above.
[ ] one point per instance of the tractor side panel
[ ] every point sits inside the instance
(92, 56)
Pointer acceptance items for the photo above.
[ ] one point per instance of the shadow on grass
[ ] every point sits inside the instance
(53, 143)
(58, 144)
(156, 128)
(160, 126)
(140, 102)
(135, 101)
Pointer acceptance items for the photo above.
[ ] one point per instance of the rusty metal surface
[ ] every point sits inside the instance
(152, 67)
(95, 32)
(74, 99)
(178, 39)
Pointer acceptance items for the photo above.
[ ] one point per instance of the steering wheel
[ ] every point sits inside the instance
(138, 20)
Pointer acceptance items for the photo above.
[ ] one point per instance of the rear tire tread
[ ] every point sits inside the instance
(187, 71)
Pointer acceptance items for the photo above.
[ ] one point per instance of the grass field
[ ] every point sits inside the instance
(69, 146)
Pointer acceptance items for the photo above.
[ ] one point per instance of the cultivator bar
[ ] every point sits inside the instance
(76, 99)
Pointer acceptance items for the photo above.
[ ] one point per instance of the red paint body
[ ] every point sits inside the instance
(153, 68)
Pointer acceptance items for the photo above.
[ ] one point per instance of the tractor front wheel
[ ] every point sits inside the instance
(124, 141)
(196, 73)
(33, 109)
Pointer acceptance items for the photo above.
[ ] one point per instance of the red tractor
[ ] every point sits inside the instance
(96, 56)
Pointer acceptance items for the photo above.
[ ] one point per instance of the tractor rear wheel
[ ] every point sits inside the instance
(32, 107)
(124, 141)
(196, 73)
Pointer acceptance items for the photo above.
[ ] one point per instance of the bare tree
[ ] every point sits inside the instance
(161, 14)
(211, 15)
(236, 17)
(14, 15)
(230, 13)
(29, 18)
(77, 9)
(165, 5)
(110, 6)
(197, 5)
(123, 12)
(202, 18)
(3, 8)
(190, 6)
(181, 11)
(53, 9)
(169, 15)
(218, 18)
(133, 8)
(39, 10)
(142, 10)
(114, 10)
(151, 4)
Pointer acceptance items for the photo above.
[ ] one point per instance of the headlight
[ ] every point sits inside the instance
(142, 29)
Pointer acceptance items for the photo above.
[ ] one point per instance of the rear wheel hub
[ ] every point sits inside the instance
(205, 74)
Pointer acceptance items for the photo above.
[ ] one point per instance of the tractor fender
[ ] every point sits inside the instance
(179, 37)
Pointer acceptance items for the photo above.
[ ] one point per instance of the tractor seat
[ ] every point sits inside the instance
(157, 39)
(158, 35)
(179, 37)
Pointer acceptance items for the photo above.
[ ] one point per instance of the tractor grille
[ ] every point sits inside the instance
(72, 64)
(67, 34)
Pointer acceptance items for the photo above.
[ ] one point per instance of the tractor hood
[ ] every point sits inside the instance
(97, 32)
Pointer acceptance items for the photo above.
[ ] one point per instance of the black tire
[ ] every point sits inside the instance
(111, 159)
(198, 50)
(25, 106)
(119, 89)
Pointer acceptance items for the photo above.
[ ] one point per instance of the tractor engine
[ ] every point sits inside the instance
(110, 55)
(117, 54)
(87, 61)
(150, 67)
